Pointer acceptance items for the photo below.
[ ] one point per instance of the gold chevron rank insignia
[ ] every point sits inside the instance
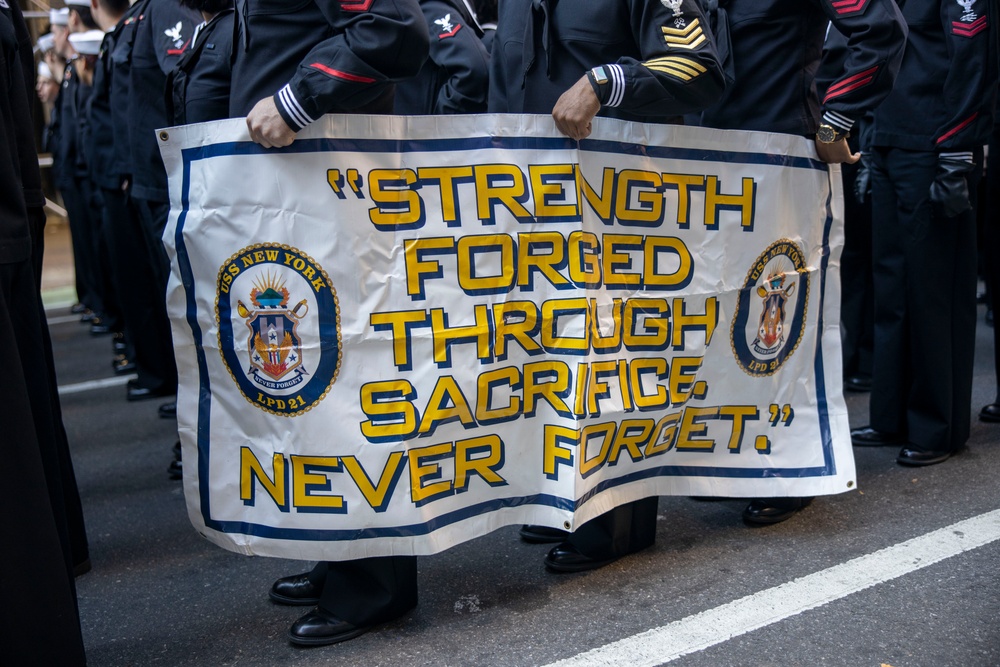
(678, 67)
(688, 37)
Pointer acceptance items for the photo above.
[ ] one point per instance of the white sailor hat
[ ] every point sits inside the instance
(78, 3)
(59, 16)
(46, 42)
(44, 72)
(87, 43)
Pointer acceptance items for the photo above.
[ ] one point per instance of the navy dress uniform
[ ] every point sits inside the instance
(455, 78)
(646, 61)
(777, 47)
(309, 59)
(36, 577)
(198, 88)
(924, 236)
(151, 45)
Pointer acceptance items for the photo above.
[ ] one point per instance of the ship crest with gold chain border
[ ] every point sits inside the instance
(279, 327)
(771, 310)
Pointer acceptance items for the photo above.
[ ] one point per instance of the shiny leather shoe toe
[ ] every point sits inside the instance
(916, 457)
(297, 591)
(866, 436)
(769, 511)
(136, 392)
(175, 470)
(990, 413)
(123, 366)
(99, 328)
(167, 410)
(321, 628)
(541, 534)
(860, 383)
(566, 558)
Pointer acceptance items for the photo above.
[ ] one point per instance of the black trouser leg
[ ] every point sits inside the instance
(368, 590)
(857, 306)
(624, 530)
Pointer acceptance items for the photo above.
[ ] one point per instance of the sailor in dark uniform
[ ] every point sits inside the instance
(291, 66)
(928, 137)
(39, 620)
(636, 60)
(198, 88)
(455, 79)
(777, 46)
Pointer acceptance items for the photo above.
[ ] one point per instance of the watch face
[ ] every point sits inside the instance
(826, 134)
(599, 76)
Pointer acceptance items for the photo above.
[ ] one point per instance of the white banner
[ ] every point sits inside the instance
(398, 334)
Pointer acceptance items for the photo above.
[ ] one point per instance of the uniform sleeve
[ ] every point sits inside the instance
(373, 43)
(31, 179)
(875, 34)
(680, 71)
(173, 30)
(457, 50)
(970, 85)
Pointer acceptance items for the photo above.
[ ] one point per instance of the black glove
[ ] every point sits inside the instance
(863, 180)
(950, 189)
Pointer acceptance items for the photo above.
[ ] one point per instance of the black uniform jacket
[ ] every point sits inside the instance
(944, 96)
(163, 31)
(19, 177)
(198, 88)
(660, 62)
(67, 136)
(455, 79)
(107, 168)
(777, 46)
(324, 56)
(120, 67)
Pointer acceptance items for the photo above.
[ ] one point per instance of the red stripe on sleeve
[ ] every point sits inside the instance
(346, 76)
(958, 128)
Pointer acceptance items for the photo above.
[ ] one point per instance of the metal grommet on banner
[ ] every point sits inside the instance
(164, 136)
(567, 525)
(850, 484)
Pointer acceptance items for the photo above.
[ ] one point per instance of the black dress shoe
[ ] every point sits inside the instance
(990, 413)
(175, 470)
(541, 534)
(99, 328)
(866, 436)
(566, 558)
(118, 344)
(136, 392)
(321, 628)
(768, 511)
(78, 309)
(297, 591)
(87, 316)
(858, 383)
(122, 365)
(916, 457)
(167, 410)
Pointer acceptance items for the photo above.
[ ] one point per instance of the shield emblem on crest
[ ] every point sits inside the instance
(274, 346)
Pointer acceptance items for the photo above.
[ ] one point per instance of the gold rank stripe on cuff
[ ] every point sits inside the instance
(689, 37)
(679, 67)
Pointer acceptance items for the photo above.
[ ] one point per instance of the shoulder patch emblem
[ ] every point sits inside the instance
(448, 29)
(848, 6)
(968, 16)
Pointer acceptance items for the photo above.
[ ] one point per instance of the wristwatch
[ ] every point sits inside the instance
(828, 134)
(599, 82)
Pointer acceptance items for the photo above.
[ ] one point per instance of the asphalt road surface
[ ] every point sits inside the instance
(902, 572)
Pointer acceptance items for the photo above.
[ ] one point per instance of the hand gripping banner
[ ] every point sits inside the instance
(398, 334)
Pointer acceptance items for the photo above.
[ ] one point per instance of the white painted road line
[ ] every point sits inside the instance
(95, 384)
(715, 626)
(63, 320)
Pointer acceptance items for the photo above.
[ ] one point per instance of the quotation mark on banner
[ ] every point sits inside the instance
(783, 414)
(353, 179)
